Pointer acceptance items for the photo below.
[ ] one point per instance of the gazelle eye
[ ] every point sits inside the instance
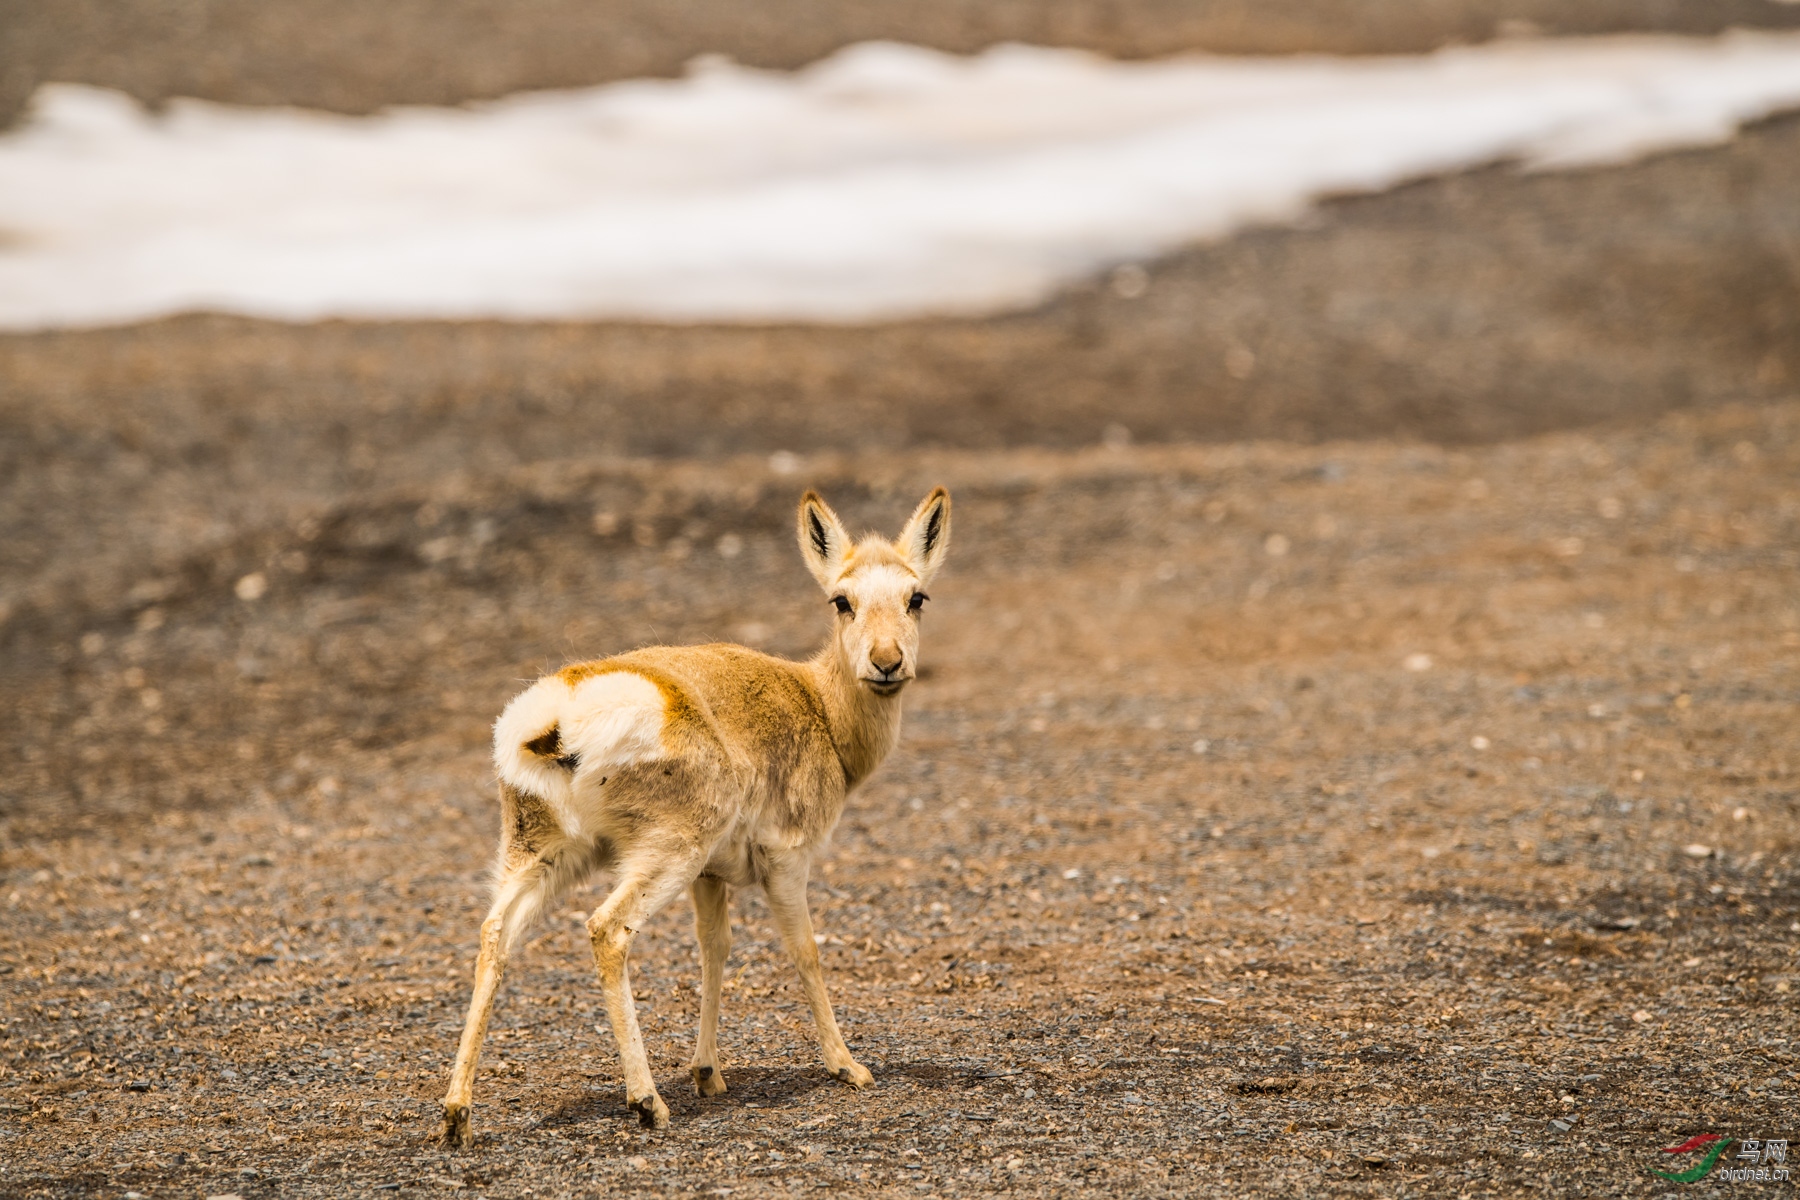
(917, 602)
(843, 605)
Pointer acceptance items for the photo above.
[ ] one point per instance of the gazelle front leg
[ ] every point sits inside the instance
(712, 929)
(785, 883)
(644, 887)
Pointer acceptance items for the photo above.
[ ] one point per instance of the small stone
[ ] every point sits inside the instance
(1697, 850)
(252, 587)
(1276, 545)
(1640, 1016)
(1479, 743)
(1417, 662)
(1129, 281)
(1561, 1126)
(638, 1162)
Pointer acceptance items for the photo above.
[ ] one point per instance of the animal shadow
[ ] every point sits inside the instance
(603, 1105)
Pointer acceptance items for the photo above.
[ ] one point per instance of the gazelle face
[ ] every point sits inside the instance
(877, 611)
(876, 588)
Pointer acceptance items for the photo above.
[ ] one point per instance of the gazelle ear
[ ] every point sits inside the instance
(926, 538)
(823, 542)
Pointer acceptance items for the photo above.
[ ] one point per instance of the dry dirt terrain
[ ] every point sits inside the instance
(1356, 753)
(1362, 818)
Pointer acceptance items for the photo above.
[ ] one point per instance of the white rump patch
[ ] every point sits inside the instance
(606, 722)
(615, 720)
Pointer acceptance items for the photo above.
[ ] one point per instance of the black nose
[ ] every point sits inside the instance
(886, 668)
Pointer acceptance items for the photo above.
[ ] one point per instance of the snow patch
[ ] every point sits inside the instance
(884, 182)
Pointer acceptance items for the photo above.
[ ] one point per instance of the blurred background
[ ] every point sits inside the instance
(1454, 305)
(350, 57)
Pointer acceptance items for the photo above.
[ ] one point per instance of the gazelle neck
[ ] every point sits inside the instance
(864, 726)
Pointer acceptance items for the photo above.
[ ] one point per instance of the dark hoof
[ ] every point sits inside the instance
(457, 1135)
(856, 1075)
(652, 1112)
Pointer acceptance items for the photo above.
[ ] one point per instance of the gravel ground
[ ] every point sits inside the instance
(1357, 818)
(1405, 808)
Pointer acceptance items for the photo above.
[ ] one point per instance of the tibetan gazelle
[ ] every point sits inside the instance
(705, 768)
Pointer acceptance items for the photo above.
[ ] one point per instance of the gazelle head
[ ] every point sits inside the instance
(876, 587)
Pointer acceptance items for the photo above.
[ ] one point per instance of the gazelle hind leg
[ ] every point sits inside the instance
(529, 886)
(785, 884)
(712, 929)
(647, 881)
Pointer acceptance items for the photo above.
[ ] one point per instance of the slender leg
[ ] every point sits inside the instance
(785, 884)
(647, 882)
(528, 887)
(712, 929)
